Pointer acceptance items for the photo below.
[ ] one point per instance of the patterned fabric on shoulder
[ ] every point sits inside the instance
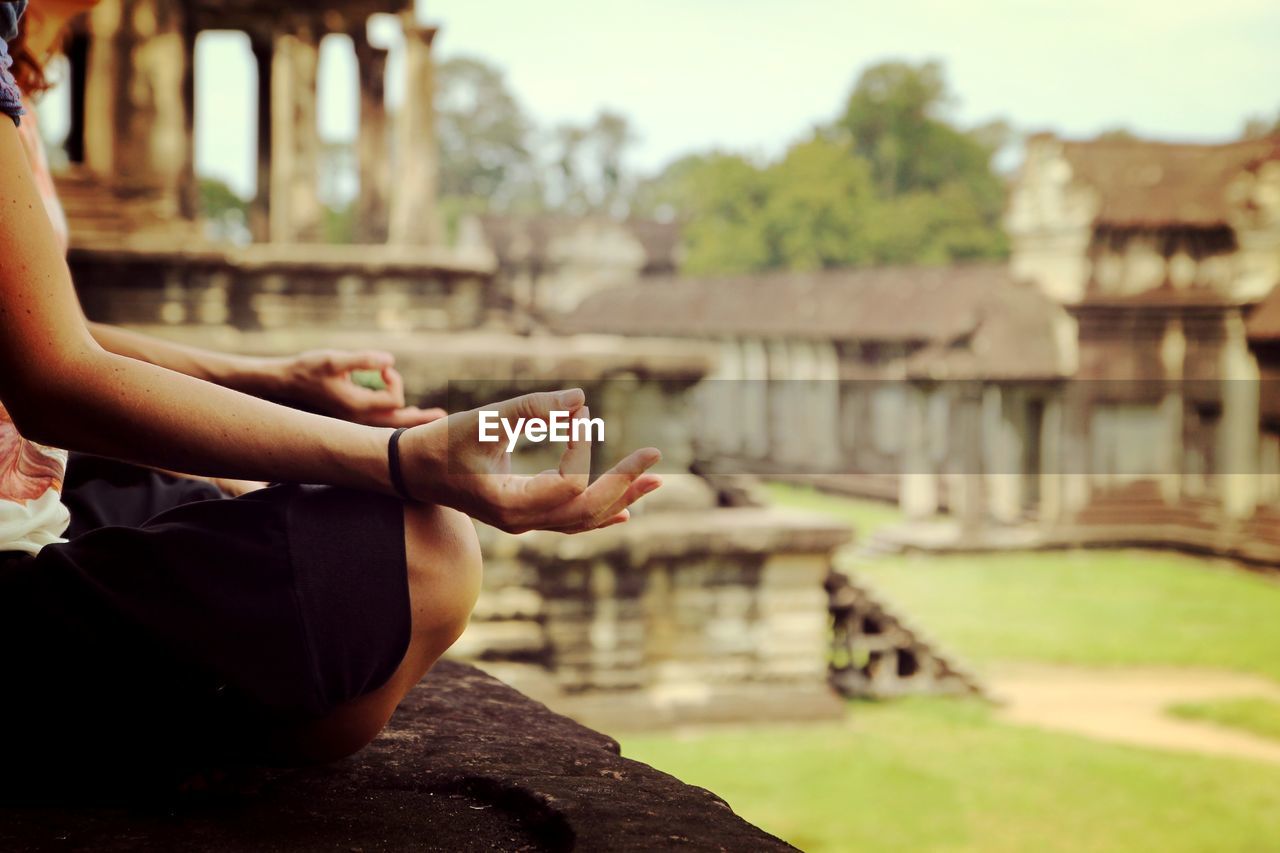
(10, 96)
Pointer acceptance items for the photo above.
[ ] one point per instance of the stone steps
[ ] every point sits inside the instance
(878, 651)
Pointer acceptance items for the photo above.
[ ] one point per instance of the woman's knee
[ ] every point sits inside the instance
(443, 558)
(445, 570)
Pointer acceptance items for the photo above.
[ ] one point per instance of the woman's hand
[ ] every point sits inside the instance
(445, 462)
(321, 380)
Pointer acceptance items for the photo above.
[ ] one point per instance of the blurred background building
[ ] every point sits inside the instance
(1102, 386)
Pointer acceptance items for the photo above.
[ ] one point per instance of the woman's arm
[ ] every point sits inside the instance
(318, 380)
(62, 388)
(261, 377)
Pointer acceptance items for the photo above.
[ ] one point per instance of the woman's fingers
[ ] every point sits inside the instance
(562, 498)
(618, 513)
(643, 485)
(534, 497)
(617, 518)
(607, 496)
(342, 361)
(541, 404)
(575, 463)
(530, 497)
(395, 384)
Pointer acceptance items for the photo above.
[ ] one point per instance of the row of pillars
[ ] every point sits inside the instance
(289, 147)
(138, 121)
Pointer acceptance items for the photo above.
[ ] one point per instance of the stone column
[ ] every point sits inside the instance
(1052, 467)
(137, 103)
(969, 435)
(373, 149)
(1241, 407)
(1003, 453)
(295, 212)
(263, 46)
(76, 48)
(413, 197)
(187, 186)
(917, 481)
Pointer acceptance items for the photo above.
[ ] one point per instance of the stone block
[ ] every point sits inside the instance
(512, 637)
(795, 570)
(466, 763)
(508, 603)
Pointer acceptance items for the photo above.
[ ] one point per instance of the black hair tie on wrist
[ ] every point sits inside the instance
(393, 464)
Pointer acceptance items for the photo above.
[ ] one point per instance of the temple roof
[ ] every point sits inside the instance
(969, 319)
(1143, 183)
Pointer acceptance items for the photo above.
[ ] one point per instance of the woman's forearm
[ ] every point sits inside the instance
(261, 377)
(118, 406)
(63, 388)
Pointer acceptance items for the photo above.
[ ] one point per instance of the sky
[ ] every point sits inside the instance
(755, 75)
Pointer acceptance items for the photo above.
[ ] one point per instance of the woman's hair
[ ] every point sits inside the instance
(27, 69)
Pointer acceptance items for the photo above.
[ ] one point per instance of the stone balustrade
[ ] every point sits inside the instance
(269, 287)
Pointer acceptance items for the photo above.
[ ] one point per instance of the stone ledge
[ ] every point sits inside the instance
(467, 763)
(741, 530)
(364, 259)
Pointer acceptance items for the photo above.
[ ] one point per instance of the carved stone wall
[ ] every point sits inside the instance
(1050, 220)
(675, 617)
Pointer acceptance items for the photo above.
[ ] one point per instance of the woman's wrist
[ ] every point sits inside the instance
(424, 461)
(357, 457)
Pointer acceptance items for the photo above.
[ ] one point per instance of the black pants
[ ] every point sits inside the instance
(178, 626)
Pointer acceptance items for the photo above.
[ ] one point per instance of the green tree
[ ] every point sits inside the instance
(225, 213)
(718, 198)
(483, 134)
(589, 164)
(895, 118)
(933, 228)
(818, 206)
(941, 199)
(891, 181)
(810, 210)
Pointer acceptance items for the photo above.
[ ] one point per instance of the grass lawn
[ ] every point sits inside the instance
(1098, 608)
(862, 514)
(945, 774)
(1254, 715)
(942, 774)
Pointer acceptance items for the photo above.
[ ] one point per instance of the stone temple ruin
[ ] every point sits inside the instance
(131, 141)
(1114, 383)
(701, 608)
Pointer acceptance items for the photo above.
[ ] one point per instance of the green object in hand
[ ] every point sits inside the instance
(371, 379)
